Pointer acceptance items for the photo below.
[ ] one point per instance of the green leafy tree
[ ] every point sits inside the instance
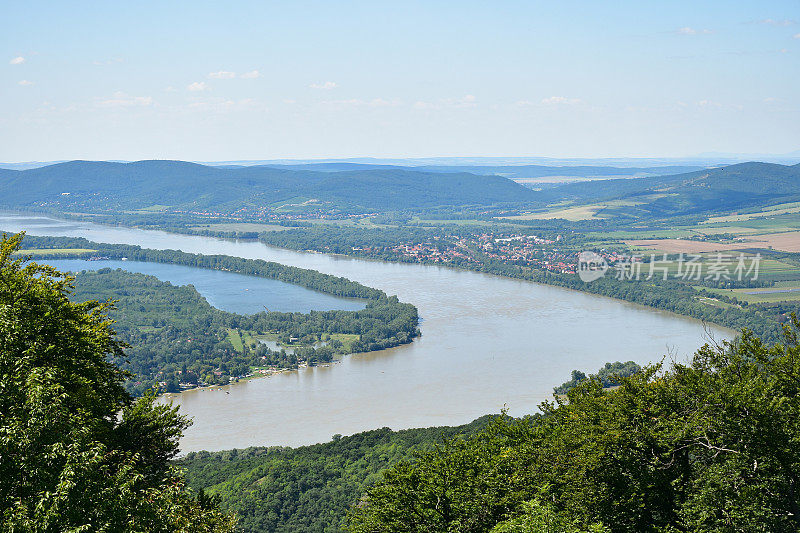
(708, 446)
(77, 452)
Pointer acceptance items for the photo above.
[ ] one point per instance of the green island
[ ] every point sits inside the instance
(178, 341)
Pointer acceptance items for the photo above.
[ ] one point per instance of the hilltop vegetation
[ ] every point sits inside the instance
(746, 185)
(310, 488)
(77, 452)
(181, 186)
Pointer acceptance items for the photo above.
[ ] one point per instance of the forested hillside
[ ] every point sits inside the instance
(310, 488)
(182, 186)
(718, 190)
(705, 446)
(78, 453)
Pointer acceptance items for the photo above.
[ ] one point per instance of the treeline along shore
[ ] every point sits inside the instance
(178, 341)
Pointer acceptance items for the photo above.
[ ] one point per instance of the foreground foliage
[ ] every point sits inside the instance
(309, 488)
(78, 453)
(711, 445)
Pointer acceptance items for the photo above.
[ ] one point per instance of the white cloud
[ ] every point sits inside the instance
(468, 100)
(797, 35)
(222, 75)
(121, 99)
(171, 89)
(25, 83)
(375, 102)
(222, 105)
(17, 61)
(197, 86)
(691, 31)
(561, 100)
(328, 85)
(250, 75)
(778, 23)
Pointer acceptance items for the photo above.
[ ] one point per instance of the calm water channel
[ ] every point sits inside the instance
(487, 342)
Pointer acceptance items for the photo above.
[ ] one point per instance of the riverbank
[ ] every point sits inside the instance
(488, 342)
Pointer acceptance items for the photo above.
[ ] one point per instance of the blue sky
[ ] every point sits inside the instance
(259, 80)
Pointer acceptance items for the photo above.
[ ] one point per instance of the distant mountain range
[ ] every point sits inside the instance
(190, 186)
(514, 172)
(744, 185)
(360, 188)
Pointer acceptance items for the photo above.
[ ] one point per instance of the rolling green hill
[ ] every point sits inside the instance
(719, 190)
(309, 488)
(91, 185)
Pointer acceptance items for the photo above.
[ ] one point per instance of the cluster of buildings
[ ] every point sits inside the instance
(524, 250)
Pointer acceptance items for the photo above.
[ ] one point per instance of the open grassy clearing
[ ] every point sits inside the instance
(60, 251)
(347, 339)
(573, 214)
(713, 302)
(771, 295)
(773, 210)
(236, 340)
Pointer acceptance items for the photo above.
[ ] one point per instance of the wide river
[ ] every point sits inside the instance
(487, 343)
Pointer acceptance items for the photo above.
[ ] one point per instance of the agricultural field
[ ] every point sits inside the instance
(785, 291)
(674, 246)
(773, 210)
(573, 214)
(786, 242)
(150, 210)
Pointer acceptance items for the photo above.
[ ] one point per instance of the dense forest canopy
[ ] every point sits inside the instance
(77, 452)
(189, 186)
